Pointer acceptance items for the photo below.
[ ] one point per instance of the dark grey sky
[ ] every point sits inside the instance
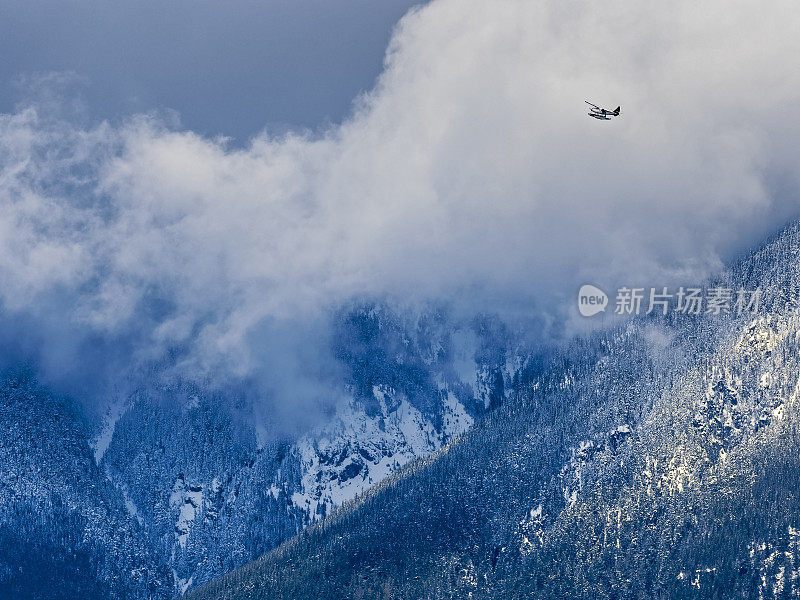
(228, 67)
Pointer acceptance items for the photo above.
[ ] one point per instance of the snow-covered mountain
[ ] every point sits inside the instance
(190, 483)
(212, 490)
(660, 459)
(655, 459)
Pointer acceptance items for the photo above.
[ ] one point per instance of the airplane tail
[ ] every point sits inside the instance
(616, 111)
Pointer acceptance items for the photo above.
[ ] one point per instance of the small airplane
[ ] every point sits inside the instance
(601, 113)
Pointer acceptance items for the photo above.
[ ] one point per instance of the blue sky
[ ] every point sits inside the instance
(227, 68)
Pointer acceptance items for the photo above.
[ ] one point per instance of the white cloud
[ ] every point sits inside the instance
(470, 172)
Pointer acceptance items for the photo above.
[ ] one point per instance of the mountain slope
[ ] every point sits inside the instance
(657, 460)
(64, 530)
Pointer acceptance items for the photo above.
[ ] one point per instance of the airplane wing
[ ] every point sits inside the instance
(594, 105)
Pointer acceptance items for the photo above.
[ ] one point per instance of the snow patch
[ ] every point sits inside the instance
(101, 443)
(188, 501)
